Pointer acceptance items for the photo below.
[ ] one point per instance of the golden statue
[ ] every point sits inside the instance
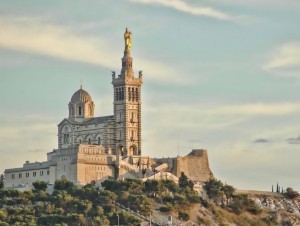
(127, 38)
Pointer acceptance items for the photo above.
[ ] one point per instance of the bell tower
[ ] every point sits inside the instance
(127, 105)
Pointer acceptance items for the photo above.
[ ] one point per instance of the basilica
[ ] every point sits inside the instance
(92, 149)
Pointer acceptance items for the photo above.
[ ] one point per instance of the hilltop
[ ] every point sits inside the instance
(134, 202)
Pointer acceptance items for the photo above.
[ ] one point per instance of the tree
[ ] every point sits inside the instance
(216, 190)
(169, 184)
(40, 185)
(1, 181)
(63, 184)
(184, 181)
(152, 186)
(290, 193)
(213, 188)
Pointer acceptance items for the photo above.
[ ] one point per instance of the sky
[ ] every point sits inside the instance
(218, 75)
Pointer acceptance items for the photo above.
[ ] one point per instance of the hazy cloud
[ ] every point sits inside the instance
(285, 58)
(182, 6)
(36, 36)
(294, 140)
(261, 140)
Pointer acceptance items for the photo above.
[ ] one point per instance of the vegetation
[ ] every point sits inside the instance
(73, 205)
(216, 191)
(290, 193)
(224, 194)
(68, 205)
(1, 181)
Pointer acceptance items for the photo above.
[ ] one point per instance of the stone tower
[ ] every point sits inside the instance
(127, 105)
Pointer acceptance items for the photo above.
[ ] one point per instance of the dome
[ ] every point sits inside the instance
(81, 105)
(81, 96)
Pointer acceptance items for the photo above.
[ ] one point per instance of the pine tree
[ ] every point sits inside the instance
(277, 188)
(272, 188)
(1, 181)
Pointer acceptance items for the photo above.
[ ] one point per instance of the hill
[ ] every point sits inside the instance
(134, 202)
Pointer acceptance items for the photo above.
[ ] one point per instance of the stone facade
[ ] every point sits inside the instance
(92, 149)
(195, 165)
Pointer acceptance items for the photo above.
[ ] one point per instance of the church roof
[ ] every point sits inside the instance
(81, 96)
(89, 121)
(30, 166)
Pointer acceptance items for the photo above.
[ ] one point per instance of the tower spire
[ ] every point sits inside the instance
(127, 71)
(127, 38)
(127, 105)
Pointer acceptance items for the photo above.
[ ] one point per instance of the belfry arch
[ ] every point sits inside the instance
(121, 150)
(133, 150)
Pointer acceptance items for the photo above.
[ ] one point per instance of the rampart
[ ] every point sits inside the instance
(195, 165)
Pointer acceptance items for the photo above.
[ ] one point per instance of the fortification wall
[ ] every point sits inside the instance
(195, 165)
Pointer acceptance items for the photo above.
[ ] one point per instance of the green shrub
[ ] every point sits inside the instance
(183, 215)
(167, 208)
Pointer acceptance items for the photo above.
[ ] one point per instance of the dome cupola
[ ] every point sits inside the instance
(81, 105)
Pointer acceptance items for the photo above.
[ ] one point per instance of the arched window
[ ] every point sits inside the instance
(129, 93)
(137, 94)
(99, 140)
(79, 110)
(66, 135)
(132, 117)
(132, 93)
(89, 141)
(117, 94)
(122, 94)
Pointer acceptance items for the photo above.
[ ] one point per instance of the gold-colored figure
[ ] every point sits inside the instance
(127, 38)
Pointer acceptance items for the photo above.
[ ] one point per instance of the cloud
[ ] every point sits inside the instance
(194, 10)
(261, 140)
(294, 140)
(33, 35)
(258, 109)
(285, 59)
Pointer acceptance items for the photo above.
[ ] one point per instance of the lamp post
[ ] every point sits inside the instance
(118, 219)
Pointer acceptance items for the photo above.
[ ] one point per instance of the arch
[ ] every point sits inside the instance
(121, 150)
(79, 110)
(132, 94)
(117, 93)
(129, 94)
(79, 139)
(89, 139)
(137, 94)
(133, 150)
(65, 134)
(122, 94)
(99, 139)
